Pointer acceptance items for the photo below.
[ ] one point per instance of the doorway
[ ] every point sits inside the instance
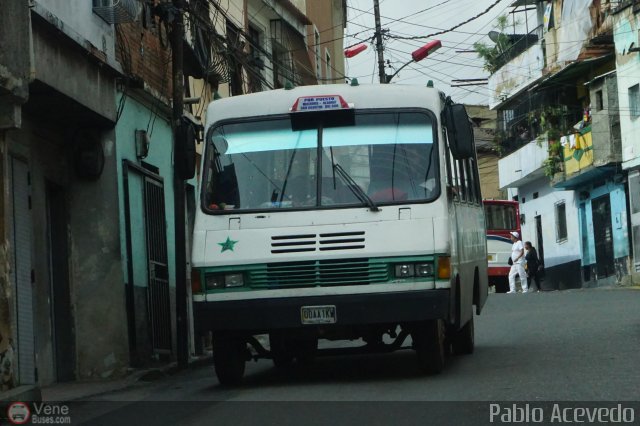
(539, 242)
(62, 320)
(603, 236)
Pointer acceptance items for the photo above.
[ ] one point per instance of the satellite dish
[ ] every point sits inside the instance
(494, 35)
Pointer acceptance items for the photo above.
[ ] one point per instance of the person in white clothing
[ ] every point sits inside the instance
(517, 268)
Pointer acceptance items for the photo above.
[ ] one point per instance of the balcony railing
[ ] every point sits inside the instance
(520, 43)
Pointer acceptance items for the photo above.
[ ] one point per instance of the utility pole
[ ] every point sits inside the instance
(177, 36)
(376, 11)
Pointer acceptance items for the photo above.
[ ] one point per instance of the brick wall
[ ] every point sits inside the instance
(143, 50)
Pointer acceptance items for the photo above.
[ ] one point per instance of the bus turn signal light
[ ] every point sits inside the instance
(196, 282)
(444, 267)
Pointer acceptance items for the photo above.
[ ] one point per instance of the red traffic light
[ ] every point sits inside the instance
(352, 51)
(425, 50)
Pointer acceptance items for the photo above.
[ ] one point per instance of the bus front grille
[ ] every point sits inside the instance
(319, 273)
(351, 240)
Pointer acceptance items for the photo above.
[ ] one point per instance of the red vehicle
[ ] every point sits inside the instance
(502, 217)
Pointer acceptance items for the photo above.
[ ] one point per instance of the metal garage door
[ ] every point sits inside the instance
(21, 271)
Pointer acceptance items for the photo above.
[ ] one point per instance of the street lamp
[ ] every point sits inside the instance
(418, 55)
(352, 51)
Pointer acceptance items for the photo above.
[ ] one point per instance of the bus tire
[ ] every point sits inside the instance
(429, 343)
(229, 358)
(281, 353)
(463, 340)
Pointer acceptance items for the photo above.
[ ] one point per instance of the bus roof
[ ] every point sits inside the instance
(280, 101)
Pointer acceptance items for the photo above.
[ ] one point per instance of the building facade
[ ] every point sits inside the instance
(88, 249)
(626, 26)
(559, 124)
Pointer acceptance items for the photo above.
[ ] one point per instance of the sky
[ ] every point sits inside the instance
(411, 18)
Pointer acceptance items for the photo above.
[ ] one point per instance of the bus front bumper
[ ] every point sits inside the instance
(262, 315)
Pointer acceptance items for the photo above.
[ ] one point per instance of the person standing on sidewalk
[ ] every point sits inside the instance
(533, 264)
(517, 267)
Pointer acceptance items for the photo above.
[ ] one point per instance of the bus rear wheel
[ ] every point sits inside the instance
(429, 343)
(463, 340)
(229, 356)
(281, 352)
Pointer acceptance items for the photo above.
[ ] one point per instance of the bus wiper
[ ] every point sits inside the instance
(355, 188)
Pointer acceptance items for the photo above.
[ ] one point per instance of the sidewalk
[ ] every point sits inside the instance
(78, 390)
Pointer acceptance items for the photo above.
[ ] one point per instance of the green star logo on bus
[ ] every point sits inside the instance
(227, 245)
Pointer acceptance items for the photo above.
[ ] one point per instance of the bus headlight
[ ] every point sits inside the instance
(424, 269)
(220, 281)
(233, 280)
(213, 281)
(405, 270)
(410, 270)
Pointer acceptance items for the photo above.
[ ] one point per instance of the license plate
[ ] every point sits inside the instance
(318, 314)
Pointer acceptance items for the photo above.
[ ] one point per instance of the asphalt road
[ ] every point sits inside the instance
(577, 345)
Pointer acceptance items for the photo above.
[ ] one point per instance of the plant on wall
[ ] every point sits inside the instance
(495, 56)
(548, 121)
(497, 142)
(553, 163)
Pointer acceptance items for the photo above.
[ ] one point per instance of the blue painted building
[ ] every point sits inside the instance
(591, 164)
(147, 238)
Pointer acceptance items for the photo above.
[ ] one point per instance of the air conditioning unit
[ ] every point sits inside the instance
(117, 11)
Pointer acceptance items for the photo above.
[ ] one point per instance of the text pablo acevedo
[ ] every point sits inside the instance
(560, 413)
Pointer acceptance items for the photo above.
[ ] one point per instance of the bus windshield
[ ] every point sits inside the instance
(263, 165)
(500, 217)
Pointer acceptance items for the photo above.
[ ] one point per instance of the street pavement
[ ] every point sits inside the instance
(576, 345)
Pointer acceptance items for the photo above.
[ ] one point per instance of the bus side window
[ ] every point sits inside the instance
(453, 185)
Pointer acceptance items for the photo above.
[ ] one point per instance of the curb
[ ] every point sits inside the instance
(144, 375)
(22, 393)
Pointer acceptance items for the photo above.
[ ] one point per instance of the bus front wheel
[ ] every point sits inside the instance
(229, 356)
(463, 340)
(429, 343)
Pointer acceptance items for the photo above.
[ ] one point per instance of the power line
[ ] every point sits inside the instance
(454, 27)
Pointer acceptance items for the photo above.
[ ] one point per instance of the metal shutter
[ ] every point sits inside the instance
(21, 271)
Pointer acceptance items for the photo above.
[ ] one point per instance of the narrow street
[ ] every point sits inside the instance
(578, 345)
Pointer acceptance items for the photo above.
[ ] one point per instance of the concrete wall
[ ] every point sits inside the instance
(522, 165)
(628, 69)
(489, 182)
(258, 17)
(561, 258)
(327, 17)
(63, 67)
(15, 58)
(15, 64)
(516, 75)
(77, 20)
(73, 90)
(605, 123)
(94, 252)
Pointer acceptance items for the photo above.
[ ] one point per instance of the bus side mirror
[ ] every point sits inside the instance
(459, 131)
(185, 150)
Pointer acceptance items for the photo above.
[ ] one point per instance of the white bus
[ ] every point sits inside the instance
(338, 212)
